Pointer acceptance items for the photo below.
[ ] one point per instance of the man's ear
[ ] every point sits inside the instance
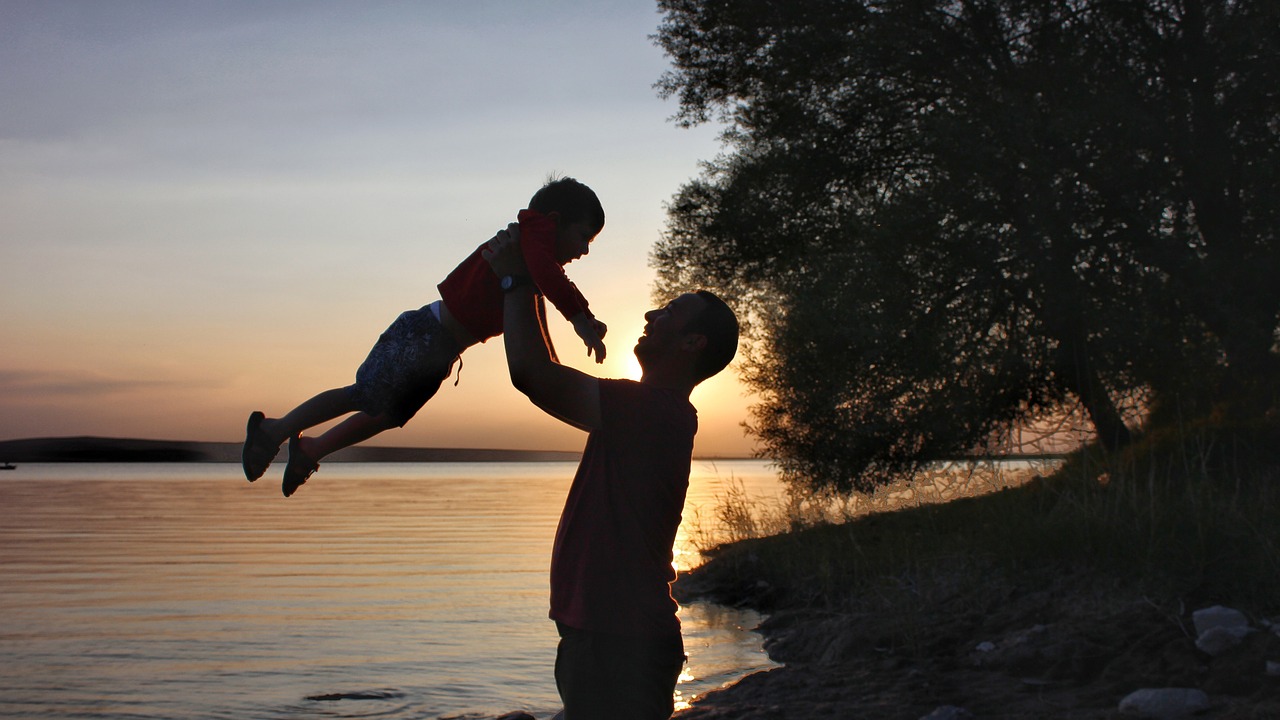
(693, 342)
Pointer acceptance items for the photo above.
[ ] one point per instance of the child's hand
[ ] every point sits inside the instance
(592, 333)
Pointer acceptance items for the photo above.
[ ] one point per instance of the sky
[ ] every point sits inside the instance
(209, 208)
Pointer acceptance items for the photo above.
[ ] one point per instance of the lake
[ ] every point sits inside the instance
(379, 590)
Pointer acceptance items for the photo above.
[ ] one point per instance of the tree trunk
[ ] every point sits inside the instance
(1082, 380)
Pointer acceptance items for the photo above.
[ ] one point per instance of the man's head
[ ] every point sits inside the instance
(696, 333)
(719, 325)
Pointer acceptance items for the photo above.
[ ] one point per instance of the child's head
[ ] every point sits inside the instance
(578, 213)
(572, 201)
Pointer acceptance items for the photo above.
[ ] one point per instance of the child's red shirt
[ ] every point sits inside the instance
(472, 294)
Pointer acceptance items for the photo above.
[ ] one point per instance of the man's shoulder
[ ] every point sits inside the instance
(622, 395)
(627, 388)
(648, 424)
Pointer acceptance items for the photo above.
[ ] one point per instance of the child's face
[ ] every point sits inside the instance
(573, 240)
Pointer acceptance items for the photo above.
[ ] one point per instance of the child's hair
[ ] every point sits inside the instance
(574, 201)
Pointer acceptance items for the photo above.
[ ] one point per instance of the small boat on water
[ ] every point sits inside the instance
(8, 466)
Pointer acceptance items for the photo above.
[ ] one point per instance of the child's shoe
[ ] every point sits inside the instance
(300, 467)
(259, 450)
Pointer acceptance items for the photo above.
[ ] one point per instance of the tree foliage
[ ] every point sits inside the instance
(945, 217)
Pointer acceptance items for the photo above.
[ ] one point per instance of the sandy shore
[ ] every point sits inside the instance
(1042, 646)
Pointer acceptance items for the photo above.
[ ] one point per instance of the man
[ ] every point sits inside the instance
(620, 648)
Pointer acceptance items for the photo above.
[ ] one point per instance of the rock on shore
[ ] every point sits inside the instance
(1069, 650)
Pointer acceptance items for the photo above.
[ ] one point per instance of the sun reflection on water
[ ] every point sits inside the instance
(720, 647)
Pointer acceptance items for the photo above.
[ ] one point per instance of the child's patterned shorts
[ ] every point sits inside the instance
(406, 366)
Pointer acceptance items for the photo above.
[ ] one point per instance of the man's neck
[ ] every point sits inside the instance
(667, 381)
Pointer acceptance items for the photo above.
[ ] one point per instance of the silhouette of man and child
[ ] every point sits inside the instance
(620, 650)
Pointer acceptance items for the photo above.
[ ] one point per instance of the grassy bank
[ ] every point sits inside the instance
(1191, 521)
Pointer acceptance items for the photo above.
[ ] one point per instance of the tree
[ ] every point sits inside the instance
(945, 218)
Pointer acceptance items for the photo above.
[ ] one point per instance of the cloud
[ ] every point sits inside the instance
(21, 384)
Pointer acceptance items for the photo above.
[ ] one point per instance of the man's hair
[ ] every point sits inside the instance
(574, 201)
(719, 326)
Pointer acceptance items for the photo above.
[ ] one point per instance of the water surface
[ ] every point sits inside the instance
(379, 590)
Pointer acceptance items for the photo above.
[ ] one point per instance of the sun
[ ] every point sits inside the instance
(622, 351)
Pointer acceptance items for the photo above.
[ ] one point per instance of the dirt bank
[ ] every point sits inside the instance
(1047, 645)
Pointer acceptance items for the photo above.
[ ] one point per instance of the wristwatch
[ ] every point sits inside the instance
(511, 282)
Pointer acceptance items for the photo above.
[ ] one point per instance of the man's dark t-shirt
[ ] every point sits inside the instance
(611, 567)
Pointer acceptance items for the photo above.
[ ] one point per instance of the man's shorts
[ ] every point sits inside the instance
(406, 366)
(613, 677)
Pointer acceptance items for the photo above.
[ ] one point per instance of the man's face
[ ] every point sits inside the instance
(664, 327)
(573, 240)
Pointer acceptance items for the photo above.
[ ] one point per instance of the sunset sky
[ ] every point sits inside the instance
(208, 208)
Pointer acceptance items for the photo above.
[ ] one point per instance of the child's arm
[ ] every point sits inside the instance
(537, 245)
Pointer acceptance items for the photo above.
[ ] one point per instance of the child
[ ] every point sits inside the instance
(416, 353)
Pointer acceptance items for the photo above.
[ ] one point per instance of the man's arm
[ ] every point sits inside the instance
(560, 391)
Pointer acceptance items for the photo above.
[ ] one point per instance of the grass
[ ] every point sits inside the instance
(1184, 519)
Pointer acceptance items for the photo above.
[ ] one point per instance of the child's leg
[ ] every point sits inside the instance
(319, 409)
(305, 453)
(354, 430)
(264, 436)
(402, 371)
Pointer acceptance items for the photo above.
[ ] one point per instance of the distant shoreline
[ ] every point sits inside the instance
(106, 450)
(100, 449)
